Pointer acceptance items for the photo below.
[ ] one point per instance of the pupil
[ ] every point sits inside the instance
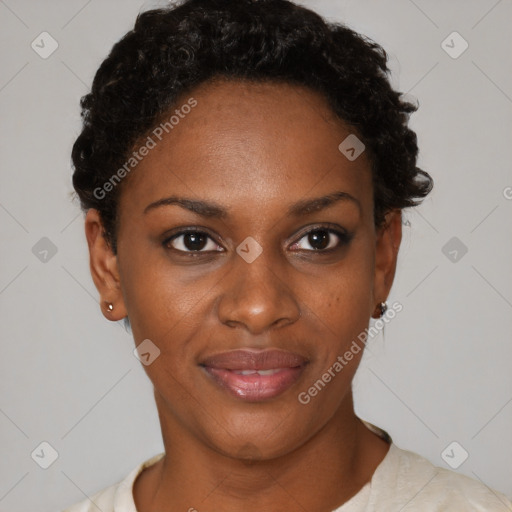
(319, 239)
(194, 241)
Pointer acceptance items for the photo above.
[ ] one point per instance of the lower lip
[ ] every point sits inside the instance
(255, 387)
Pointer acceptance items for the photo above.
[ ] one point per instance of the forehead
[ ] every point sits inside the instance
(246, 143)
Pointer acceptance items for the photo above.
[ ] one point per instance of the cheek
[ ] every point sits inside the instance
(171, 306)
(168, 303)
(341, 297)
(174, 307)
(337, 319)
(157, 295)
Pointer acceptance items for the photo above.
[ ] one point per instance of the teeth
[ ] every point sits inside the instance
(259, 372)
(268, 372)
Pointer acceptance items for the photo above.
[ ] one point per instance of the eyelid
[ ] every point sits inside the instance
(327, 226)
(344, 237)
(173, 234)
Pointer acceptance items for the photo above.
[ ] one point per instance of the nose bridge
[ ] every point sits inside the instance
(256, 295)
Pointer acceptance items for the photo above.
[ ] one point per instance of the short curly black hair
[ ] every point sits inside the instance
(172, 50)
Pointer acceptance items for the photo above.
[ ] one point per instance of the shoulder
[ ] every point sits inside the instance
(410, 482)
(116, 497)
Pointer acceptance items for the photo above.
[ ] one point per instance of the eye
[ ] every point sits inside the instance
(192, 241)
(322, 239)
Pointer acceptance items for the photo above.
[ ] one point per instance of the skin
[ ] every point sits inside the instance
(255, 150)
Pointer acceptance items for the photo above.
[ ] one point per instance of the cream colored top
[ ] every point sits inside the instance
(403, 481)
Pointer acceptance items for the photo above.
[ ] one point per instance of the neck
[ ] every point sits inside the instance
(321, 474)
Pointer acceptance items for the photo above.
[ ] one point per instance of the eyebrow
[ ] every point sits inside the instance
(213, 210)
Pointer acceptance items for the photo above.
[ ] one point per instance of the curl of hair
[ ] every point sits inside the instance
(172, 50)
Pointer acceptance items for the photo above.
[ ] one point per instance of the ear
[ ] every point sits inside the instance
(103, 265)
(388, 240)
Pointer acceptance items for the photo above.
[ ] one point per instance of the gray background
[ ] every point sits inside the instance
(440, 374)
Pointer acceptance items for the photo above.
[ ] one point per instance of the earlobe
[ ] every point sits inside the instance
(387, 245)
(104, 269)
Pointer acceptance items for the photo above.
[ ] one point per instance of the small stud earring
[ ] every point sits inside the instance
(110, 307)
(380, 310)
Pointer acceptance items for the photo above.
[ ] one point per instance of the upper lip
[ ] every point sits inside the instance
(245, 359)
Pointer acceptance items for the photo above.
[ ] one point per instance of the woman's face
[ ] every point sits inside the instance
(280, 253)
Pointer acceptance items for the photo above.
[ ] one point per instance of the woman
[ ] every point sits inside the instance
(243, 167)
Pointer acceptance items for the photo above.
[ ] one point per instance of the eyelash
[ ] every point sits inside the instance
(343, 236)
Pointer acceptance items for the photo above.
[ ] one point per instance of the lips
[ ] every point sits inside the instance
(255, 375)
(254, 360)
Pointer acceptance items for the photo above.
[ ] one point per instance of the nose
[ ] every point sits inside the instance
(255, 296)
